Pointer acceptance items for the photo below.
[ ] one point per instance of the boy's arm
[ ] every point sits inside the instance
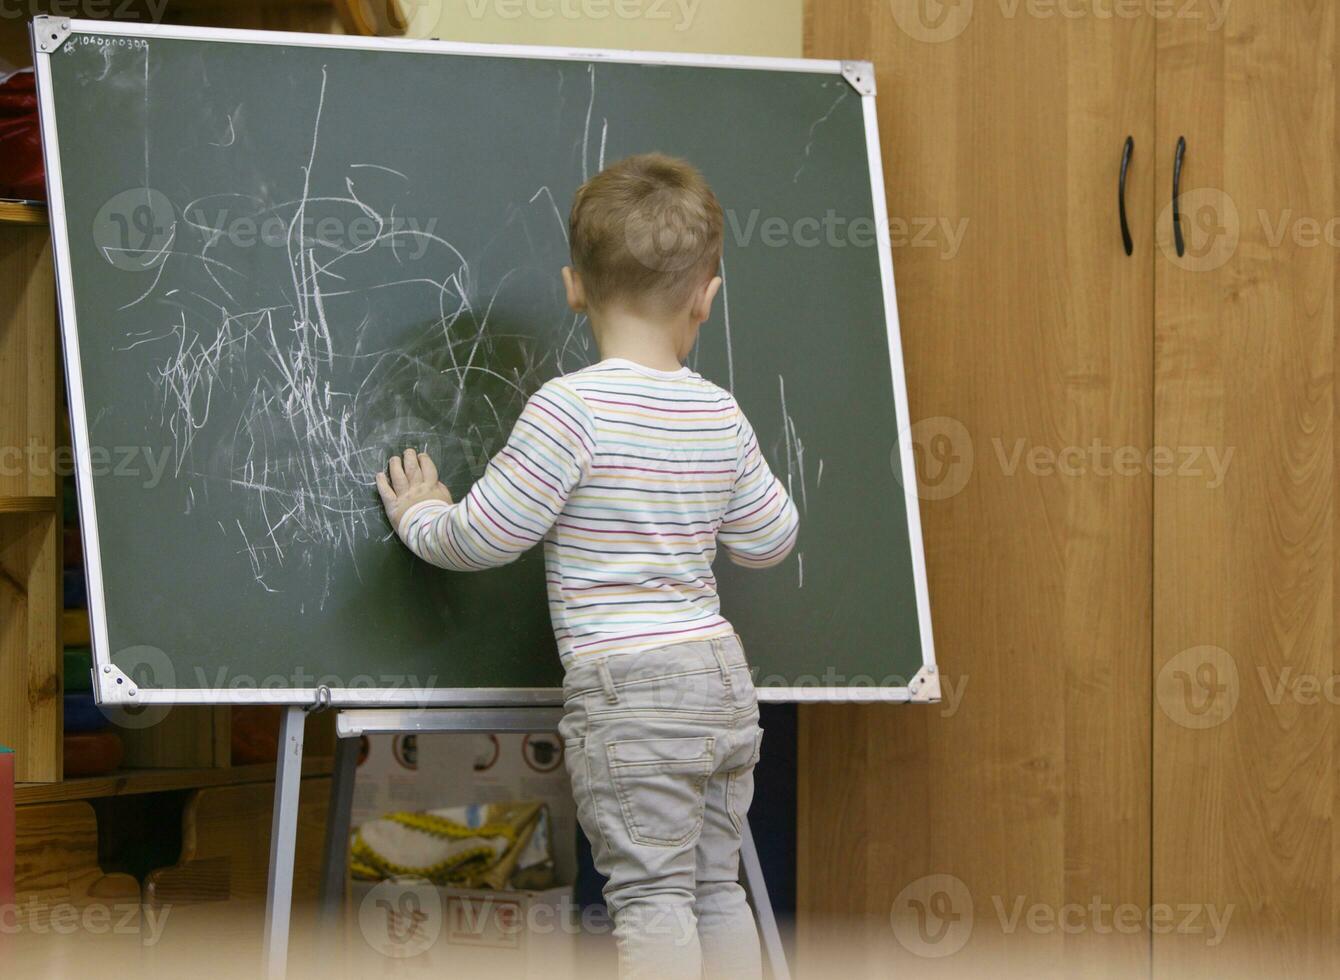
(519, 497)
(761, 523)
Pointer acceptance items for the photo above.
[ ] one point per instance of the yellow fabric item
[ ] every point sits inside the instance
(440, 846)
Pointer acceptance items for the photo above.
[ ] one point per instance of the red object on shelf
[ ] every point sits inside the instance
(255, 733)
(73, 547)
(92, 753)
(21, 173)
(7, 824)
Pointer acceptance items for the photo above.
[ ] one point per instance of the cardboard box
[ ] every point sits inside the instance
(464, 932)
(428, 771)
(509, 767)
(472, 933)
(389, 779)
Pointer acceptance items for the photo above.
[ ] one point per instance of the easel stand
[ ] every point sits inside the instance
(352, 723)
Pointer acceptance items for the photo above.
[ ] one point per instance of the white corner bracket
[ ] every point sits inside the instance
(49, 33)
(860, 75)
(925, 687)
(114, 685)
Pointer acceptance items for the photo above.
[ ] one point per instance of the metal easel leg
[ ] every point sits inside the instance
(335, 858)
(758, 895)
(283, 838)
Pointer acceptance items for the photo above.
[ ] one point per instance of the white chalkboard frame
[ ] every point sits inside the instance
(114, 687)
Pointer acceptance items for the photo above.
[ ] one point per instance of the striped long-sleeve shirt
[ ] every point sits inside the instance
(630, 476)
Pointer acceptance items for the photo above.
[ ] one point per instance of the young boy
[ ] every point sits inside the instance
(631, 471)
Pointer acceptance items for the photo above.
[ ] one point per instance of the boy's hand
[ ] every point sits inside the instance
(412, 479)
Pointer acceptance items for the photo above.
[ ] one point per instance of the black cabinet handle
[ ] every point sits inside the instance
(1121, 195)
(1176, 193)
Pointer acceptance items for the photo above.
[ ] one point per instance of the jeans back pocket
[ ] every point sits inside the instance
(661, 786)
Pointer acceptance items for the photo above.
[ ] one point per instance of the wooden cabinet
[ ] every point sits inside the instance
(1132, 580)
(1248, 708)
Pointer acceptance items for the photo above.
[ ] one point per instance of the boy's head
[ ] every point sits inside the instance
(646, 233)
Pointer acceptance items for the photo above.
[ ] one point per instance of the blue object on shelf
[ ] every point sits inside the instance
(82, 713)
(76, 592)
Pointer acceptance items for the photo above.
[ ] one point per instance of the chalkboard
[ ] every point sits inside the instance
(281, 257)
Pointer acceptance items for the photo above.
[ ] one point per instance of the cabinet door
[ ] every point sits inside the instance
(1245, 724)
(1008, 823)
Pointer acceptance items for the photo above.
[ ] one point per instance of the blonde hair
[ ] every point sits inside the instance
(647, 229)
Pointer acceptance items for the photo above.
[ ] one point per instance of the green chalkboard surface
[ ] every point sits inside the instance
(282, 257)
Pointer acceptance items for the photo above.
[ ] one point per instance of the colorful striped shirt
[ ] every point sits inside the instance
(630, 476)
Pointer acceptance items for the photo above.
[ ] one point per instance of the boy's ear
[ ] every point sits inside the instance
(702, 303)
(576, 294)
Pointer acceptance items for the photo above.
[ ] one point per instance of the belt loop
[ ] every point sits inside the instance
(722, 666)
(720, 657)
(607, 683)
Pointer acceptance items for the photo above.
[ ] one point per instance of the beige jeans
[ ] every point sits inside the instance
(661, 747)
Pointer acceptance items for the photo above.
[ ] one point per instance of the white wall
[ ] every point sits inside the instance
(761, 27)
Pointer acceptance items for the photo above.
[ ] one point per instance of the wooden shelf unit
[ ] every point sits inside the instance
(30, 556)
(22, 213)
(129, 782)
(27, 505)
